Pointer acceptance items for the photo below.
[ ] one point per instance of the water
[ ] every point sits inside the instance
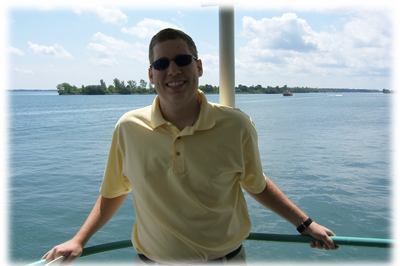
(331, 155)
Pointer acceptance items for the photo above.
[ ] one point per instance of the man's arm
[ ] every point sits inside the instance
(273, 199)
(102, 212)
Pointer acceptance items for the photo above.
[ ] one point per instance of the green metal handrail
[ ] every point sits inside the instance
(339, 241)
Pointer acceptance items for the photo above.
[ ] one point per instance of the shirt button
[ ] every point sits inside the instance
(178, 153)
(178, 137)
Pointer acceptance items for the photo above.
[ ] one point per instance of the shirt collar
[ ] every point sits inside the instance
(206, 118)
(156, 116)
(205, 121)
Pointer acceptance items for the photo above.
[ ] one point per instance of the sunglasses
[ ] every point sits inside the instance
(180, 61)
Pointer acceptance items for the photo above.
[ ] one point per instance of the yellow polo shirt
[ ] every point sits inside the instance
(186, 184)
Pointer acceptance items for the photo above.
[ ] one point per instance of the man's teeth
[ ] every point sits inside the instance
(174, 84)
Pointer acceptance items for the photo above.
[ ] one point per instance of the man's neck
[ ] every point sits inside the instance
(183, 115)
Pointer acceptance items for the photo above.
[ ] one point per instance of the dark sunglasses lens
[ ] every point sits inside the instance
(183, 60)
(161, 64)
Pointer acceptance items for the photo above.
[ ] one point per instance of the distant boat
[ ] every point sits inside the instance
(287, 93)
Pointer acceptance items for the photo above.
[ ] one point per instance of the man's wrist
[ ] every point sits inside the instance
(304, 225)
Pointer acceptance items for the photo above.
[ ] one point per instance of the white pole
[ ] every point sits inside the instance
(226, 56)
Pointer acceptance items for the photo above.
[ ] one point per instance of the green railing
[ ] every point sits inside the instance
(339, 240)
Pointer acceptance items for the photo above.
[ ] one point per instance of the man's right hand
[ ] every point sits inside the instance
(71, 250)
(101, 213)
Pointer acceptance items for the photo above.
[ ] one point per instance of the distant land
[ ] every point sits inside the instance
(132, 87)
(387, 91)
(32, 90)
(66, 89)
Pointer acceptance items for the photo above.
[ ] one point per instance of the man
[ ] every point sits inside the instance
(186, 161)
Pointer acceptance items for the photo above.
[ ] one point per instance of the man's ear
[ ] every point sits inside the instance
(199, 67)
(151, 75)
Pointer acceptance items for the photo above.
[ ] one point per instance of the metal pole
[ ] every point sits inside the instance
(226, 56)
(339, 240)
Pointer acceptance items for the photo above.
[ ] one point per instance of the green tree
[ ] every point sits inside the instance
(141, 89)
(94, 90)
(152, 89)
(65, 88)
(132, 85)
(102, 83)
(242, 88)
(110, 89)
(208, 88)
(120, 87)
(123, 90)
(116, 82)
(143, 84)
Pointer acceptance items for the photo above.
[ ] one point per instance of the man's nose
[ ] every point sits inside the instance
(173, 68)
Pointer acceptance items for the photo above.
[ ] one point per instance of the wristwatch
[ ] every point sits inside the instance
(304, 225)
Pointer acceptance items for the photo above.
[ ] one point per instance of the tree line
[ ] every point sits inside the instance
(118, 87)
(285, 88)
(391, 91)
(132, 87)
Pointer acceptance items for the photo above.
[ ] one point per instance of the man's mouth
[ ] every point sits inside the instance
(175, 83)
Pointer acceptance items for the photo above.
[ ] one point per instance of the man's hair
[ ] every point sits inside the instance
(171, 34)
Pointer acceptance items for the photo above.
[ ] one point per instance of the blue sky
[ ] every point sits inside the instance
(342, 46)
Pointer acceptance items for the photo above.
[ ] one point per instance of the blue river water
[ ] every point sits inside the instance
(329, 153)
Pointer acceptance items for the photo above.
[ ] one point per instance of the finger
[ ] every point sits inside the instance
(320, 246)
(328, 242)
(325, 246)
(56, 253)
(69, 259)
(312, 245)
(45, 255)
(49, 256)
(330, 233)
(333, 246)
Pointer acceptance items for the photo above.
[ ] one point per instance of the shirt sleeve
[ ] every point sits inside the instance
(253, 178)
(115, 183)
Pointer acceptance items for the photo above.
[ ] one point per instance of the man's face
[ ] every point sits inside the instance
(175, 85)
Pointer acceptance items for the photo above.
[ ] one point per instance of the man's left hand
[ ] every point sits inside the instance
(321, 233)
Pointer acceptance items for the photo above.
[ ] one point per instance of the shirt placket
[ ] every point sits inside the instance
(178, 149)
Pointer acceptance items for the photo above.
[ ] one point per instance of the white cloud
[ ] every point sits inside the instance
(285, 33)
(180, 2)
(55, 50)
(47, 5)
(180, 14)
(287, 46)
(323, 6)
(16, 51)
(106, 15)
(210, 63)
(23, 71)
(105, 50)
(3, 21)
(148, 27)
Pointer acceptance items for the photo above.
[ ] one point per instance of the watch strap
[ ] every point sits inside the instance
(304, 225)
